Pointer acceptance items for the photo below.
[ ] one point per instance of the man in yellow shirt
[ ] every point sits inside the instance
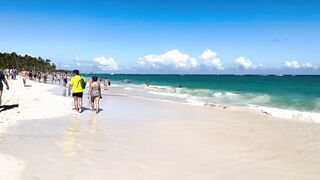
(77, 91)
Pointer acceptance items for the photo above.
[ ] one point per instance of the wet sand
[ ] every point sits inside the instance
(134, 138)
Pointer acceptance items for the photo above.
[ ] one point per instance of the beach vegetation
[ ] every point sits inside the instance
(27, 62)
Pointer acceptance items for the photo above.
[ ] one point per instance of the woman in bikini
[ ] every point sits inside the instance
(94, 93)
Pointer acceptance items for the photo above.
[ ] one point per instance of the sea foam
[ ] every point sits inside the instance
(289, 114)
(200, 97)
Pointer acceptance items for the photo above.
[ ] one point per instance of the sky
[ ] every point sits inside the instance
(167, 36)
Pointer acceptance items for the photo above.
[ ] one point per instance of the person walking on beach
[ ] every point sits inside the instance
(2, 78)
(24, 77)
(65, 79)
(106, 83)
(76, 84)
(94, 93)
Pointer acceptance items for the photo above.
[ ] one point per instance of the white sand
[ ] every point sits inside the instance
(11, 168)
(140, 139)
(35, 102)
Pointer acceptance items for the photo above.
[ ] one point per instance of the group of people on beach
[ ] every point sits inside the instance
(10, 73)
(77, 84)
(56, 77)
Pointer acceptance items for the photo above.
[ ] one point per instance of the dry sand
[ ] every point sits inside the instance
(136, 138)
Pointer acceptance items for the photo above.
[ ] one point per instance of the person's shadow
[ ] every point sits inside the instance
(8, 107)
(85, 109)
(99, 110)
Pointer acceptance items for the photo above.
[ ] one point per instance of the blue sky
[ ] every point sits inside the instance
(194, 36)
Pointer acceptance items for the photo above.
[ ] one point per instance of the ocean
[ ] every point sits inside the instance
(285, 96)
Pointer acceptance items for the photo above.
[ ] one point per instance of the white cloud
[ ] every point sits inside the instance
(173, 58)
(308, 65)
(28, 55)
(77, 61)
(210, 59)
(65, 66)
(292, 64)
(208, 54)
(244, 63)
(106, 63)
(297, 65)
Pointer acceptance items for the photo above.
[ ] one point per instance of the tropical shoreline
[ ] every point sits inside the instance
(174, 95)
(149, 139)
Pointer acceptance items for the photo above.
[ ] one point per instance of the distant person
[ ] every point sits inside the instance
(54, 78)
(90, 81)
(6, 73)
(58, 78)
(95, 93)
(65, 79)
(11, 74)
(77, 84)
(30, 75)
(106, 84)
(39, 76)
(45, 77)
(24, 75)
(2, 78)
(15, 72)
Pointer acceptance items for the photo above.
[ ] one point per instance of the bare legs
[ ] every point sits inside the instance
(80, 104)
(97, 104)
(95, 101)
(77, 103)
(92, 103)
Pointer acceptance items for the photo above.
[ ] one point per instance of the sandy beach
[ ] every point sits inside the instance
(35, 101)
(135, 138)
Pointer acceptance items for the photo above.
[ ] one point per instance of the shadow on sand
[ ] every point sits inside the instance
(99, 110)
(8, 107)
(28, 86)
(85, 109)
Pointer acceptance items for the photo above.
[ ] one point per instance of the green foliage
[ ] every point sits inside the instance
(29, 63)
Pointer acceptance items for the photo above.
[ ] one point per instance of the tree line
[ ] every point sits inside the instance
(29, 63)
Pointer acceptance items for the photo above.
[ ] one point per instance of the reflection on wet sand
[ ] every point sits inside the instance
(72, 139)
(92, 124)
(69, 138)
(65, 92)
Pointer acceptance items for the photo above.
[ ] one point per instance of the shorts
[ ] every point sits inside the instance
(79, 94)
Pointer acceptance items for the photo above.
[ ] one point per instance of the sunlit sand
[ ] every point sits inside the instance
(134, 138)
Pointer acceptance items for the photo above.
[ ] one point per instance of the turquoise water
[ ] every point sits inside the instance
(300, 93)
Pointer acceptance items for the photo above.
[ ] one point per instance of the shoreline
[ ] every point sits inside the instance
(23, 112)
(225, 108)
(288, 114)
